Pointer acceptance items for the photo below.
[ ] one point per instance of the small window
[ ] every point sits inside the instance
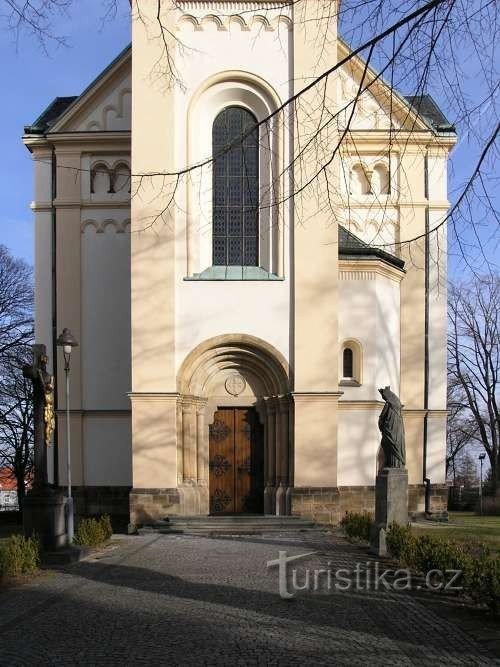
(348, 363)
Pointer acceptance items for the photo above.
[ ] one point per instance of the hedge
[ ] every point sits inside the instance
(19, 555)
(92, 532)
(357, 526)
(480, 577)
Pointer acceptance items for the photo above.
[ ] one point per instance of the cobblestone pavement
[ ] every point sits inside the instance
(191, 600)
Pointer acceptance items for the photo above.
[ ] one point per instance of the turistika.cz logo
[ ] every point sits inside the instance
(369, 576)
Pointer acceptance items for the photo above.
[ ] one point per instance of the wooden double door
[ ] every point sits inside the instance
(236, 462)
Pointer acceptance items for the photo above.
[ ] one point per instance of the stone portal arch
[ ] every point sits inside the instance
(234, 370)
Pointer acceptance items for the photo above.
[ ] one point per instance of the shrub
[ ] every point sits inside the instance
(357, 525)
(19, 555)
(92, 532)
(480, 571)
(400, 543)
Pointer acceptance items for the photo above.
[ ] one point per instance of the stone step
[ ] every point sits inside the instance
(235, 524)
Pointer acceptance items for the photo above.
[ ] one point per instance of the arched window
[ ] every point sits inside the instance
(351, 363)
(348, 363)
(380, 180)
(235, 149)
(121, 178)
(100, 179)
(359, 183)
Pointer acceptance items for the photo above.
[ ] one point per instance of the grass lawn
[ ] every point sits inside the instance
(464, 526)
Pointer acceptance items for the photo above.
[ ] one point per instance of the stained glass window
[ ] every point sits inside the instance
(235, 188)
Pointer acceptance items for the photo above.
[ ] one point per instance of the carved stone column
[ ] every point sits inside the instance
(201, 443)
(189, 440)
(289, 489)
(180, 443)
(282, 461)
(202, 456)
(270, 490)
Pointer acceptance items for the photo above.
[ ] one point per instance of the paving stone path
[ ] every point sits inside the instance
(193, 600)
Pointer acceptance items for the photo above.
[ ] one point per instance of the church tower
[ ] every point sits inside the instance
(221, 220)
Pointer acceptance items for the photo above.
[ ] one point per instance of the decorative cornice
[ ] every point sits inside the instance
(118, 136)
(360, 405)
(123, 412)
(120, 227)
(368, 270)
(153, 396)
(223, 20)
(316, 396)
(416, 412)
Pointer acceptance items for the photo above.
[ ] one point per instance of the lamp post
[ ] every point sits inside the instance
(481, 459)
(67, 341)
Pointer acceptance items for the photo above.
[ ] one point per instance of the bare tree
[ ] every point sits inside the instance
(459, 428)
(16, 423)
(474, 365)
(16, 306)
(16, 336)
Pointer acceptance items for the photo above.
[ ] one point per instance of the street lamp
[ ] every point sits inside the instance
(67, 341)
(481, 459)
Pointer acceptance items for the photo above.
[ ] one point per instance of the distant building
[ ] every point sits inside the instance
(8, 490)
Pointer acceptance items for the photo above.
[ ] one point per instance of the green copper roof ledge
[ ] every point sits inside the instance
(234, 273)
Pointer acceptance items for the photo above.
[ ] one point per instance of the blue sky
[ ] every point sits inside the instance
(31, 79)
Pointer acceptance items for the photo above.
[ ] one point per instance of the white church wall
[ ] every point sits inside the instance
(358, 444)
(437, 165)
(369, 313)
(211, 308)
(249, 50)
(358, 320)
(436, 446)
(43, 280)
(111, 111)
(388, 335)
(107, 452)
(105, 344)
(43, 249)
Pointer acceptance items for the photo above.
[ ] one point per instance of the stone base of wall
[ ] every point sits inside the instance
(321, 504)
(97, 500)
(150, 505)
(329, 504)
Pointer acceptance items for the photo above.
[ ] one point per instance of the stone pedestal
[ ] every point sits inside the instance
(391, 505)
(44, 516)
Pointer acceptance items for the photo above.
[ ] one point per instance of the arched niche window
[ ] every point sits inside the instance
(235, 148)
(351, 362)
(121, 178)
(380, 180)
(358, 181)
(100, 179)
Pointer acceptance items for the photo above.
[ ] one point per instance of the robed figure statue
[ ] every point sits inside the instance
(391, 427)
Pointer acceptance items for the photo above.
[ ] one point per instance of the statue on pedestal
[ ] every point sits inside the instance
(391, 485)
(44, 505)
(43, 412)
(391, 427)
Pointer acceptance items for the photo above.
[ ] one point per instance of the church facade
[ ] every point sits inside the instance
(236, 271)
